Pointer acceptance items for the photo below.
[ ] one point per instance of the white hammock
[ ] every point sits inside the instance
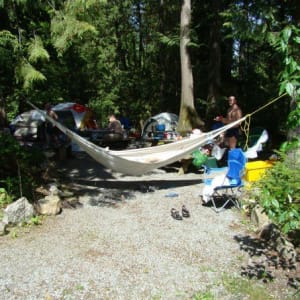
(142, 160)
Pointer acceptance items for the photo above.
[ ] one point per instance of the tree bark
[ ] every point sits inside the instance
(214, 65)
(188, 117)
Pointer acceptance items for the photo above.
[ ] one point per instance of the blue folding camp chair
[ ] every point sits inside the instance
(230, 184)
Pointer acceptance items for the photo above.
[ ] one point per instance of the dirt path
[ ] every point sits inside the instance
(122, 243)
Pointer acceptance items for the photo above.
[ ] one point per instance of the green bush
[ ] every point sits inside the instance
(280, 194)
(4, 198)
(20, 171)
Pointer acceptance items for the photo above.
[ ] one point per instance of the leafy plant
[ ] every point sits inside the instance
(207, 295)
(280, 194)
(5, 198)
(19, 171)
(37, 220)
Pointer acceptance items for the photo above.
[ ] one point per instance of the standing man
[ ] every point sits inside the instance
(234, 113)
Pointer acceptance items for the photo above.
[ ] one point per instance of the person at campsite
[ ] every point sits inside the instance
(50, 130)
(115, 128)
(125, 121)
(115, 125)
(234, 113)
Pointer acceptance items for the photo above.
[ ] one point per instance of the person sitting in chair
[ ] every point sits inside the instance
(115, 128)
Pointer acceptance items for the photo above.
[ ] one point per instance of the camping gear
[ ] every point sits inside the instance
(226, 187)
(158, 126)
(256, 169)
(142, 160)
(199, 158)
(83, 115)
(257, 140)
(26, 126)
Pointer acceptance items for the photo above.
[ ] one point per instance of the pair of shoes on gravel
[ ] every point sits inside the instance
(176, 215)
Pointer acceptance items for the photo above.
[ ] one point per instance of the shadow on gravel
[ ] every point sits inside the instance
(85, 171)
(143, 186)
(111, 193)
(266, 263)
(85, 176)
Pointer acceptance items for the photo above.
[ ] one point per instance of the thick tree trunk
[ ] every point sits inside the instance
(188, 117)
(162, 54)
(214, 66)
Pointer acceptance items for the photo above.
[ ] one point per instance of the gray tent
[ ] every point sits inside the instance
(160, 123)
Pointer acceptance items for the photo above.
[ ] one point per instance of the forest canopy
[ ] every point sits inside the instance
(124, 56)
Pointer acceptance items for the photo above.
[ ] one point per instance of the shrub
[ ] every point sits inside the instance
(4, 198)
(20, 171)
(280, 194)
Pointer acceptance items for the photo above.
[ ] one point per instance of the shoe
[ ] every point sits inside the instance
(185, 212)
(175, 214)
(202, 200)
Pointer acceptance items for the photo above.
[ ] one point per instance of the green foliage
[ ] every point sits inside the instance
(244, 288)
(8, 39)
(37, 51)
(280, 194)
(207, 295)
(27, 74)
(68, 25)
(36, 220)
(19, 172)
(5, 198)
(171, 41)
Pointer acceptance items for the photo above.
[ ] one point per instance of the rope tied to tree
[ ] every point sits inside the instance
(246, 126)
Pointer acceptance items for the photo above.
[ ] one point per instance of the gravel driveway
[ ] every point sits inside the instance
(122, 243)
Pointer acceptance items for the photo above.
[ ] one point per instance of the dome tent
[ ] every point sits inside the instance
(82, 115)
(72, 115)
(161, 122)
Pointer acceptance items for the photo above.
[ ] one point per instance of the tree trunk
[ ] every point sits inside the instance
(3, 119)
(294, 133)
(214, 65)
(188, 117)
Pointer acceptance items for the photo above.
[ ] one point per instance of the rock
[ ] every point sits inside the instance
(270, 233)
(42, 191)
(50, 205)
(53, 190)
(66, 194)
(2, 228)
(286, 251)
(18, 212)
(259, 218)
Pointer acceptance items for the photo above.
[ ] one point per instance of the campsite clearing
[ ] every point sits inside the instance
(122, 243)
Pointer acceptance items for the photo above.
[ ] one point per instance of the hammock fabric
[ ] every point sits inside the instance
(142, 160)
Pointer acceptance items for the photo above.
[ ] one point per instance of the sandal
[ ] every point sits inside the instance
(175, 214)
(185, 212)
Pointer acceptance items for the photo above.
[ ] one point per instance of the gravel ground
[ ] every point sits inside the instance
(122, 243)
